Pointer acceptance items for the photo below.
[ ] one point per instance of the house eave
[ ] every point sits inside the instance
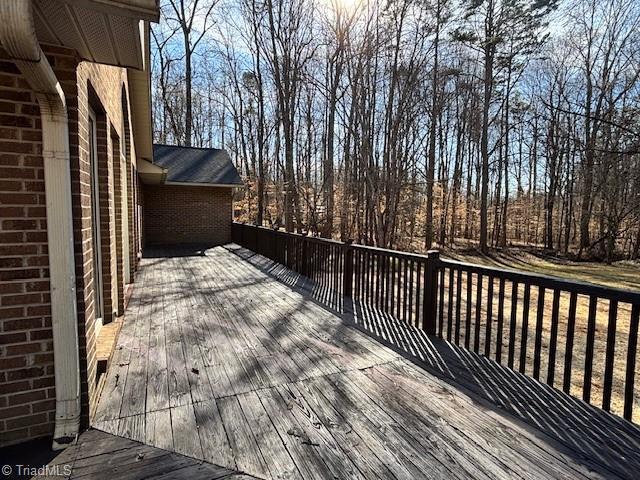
(143, 9)
(140, 101)
(109, 32)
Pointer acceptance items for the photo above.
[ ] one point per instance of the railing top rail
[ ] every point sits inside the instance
(393, 253)
(537, 279)
(292, 234)
(549, 282)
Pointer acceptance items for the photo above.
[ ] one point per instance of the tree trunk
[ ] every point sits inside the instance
(431, 161)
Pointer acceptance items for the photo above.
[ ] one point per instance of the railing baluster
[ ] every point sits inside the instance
(416, 315)
(500, 325)
(512, 324)
(405, 291)
(347, 280)
(329, 274)
(588, 357)
(356, 274)
(337, 265)
(377, 277)
(430, 289)
(332, 267)
(362, 271)
(319, 263)
(388, 294)
(321, 260)
(370, 278)
(401, 280)
(317, 272)
(370, 296)
(326, 267)
(364, 276)
(525, 327)
(394, 281)
(609, 359)
(316, 266)
(393, 290)
(568, 355)
(487, 339)
(538, 339)
(467, 325)
(441, 304)
(553, 341)
(476, 330)
(632, 346)
(328, 261)
(408, 292)
(383, 282)
(325, 270)
(458, 306)
(342, 266)
(450, 305)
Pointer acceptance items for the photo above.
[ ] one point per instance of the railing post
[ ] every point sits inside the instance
(255, 238)
(430, 292)
(347, 279)
(272, 244)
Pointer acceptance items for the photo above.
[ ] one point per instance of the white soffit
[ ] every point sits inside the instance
(100, 31)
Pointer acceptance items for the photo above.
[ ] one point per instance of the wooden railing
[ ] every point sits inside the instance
(566, 333)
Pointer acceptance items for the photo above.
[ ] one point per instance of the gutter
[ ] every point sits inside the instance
(200, 184)
(18, 37)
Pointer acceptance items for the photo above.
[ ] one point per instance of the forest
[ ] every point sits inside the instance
(413, 124)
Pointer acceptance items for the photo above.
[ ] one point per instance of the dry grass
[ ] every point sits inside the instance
(625, 274)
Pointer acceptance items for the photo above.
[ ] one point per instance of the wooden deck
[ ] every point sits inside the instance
(102, 456)
(221, 361)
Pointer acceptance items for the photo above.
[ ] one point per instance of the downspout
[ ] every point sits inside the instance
(18, 37)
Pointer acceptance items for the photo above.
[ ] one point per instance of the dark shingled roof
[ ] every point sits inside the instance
(196, 165)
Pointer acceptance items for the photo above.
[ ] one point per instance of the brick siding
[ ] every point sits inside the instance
(117, 202)
(27, 395)
(27, 386)
(180, 215)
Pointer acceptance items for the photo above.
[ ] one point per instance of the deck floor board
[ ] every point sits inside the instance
(221, 361)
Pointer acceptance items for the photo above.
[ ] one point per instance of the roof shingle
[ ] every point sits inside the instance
(196, 165)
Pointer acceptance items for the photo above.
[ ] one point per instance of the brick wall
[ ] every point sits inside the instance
(27, 395)
(179, 215)
(117, 215)
(27, 387)
(101, 88)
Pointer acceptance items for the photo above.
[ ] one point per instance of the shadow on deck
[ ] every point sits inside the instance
(101, 456)
(593, 437)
